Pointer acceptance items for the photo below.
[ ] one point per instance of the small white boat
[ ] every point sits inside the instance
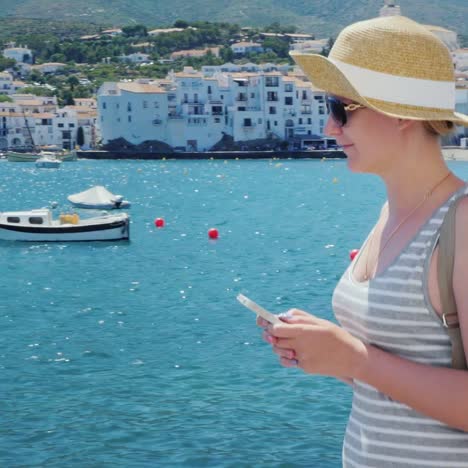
(98, 198)
(39, 226)
(48, 161)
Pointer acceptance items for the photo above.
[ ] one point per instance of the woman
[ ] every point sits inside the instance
(391, 95)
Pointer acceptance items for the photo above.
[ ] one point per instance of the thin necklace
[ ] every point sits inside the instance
(403, 221)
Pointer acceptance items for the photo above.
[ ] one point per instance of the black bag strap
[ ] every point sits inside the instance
(445, 280)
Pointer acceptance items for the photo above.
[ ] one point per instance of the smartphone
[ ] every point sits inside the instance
(268, 316)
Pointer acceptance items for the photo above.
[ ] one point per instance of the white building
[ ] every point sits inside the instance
(449, 38)
(390, 9)
(19, 54)
(37, 121)
(136, 57)
(49, 67)
(192, 111)
(461, 100)
(460, 59)
(8, 85)
(313, 46)
(242, 48)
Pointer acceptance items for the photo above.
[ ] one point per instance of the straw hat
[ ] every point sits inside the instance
(390, 64)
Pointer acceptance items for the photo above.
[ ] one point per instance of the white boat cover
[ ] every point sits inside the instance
(98, 197)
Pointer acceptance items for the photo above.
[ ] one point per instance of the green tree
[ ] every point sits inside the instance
(72, 82)
(327, 48)
(277, 45)
(6, 63)
(5, 98)
(80, 139)
(37, 91)
(135, 30)
(181, 24)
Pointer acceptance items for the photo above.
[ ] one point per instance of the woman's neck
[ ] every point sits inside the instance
(415, 175)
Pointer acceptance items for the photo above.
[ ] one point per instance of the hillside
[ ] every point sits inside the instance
(322, 17)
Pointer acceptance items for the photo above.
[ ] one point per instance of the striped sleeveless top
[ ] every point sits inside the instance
(392, 311)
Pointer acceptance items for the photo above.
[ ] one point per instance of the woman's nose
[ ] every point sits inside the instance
(332, 128)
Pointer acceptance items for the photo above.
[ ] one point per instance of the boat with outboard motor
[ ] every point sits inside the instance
(48, 162)
(39, 226)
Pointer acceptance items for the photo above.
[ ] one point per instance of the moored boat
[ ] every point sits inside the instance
(39, 226)
(98, 197)
(14, 156)
(48, 162)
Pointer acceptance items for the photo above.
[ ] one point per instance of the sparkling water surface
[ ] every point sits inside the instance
(136, 353)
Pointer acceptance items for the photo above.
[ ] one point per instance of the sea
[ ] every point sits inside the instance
(137, 354)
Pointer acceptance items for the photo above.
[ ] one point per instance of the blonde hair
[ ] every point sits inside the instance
(439, 127)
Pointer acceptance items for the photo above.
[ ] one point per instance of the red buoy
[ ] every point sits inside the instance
(353, 253)
(159, 222)
(213, 233)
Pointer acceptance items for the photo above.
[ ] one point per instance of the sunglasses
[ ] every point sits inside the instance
(339, 110)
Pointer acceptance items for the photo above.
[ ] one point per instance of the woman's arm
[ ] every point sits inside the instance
(439, 393)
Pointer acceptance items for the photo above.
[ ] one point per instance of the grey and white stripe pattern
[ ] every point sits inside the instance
(392, 311)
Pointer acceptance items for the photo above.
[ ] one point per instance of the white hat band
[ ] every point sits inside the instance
(399, 89)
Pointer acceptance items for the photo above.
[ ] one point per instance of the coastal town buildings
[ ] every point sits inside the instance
(193, 110)
(20, 54)
(8, 85)
(38, 121)
(242, 48)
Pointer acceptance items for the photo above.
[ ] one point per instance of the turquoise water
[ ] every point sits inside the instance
(136, 354)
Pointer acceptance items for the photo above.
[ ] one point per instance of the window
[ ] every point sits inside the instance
(60, 125)
(36, 220)
(300, 120)
(309, 121)
(145, 104)
(272, 96)
(271, 81)
(71, 125)
(13, 219)
(104, 105)
(288, 101)
(129, 118)
(129, 107)
(252, 95)
(209, 90)
(272, 110)
(288, 88)
(247, 122)
(156, 104)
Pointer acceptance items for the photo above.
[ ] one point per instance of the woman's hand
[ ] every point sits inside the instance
(315, 345)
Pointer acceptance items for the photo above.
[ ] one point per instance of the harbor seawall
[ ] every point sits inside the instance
(312, 154)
